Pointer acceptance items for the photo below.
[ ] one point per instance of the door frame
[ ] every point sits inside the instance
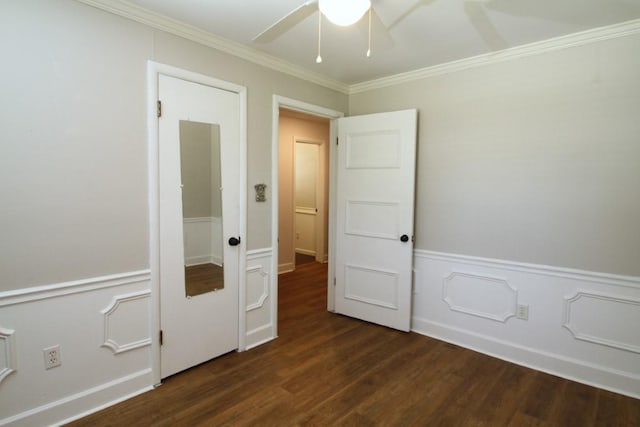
(314, 110)
(154, 69)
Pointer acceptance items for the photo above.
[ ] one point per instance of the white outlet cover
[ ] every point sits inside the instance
(51, 360)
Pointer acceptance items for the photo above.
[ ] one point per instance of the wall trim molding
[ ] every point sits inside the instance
(8, 347)
(258, 253)
(287, 267)
(36, 293)
(258, 269)
(498, 317)
(575, 332)
(545, 270)
(558, 43)
(67, 409)
(576, 370)
(201, 219)
(202, 259)
(172, 26)
(109, 341)
(259, 336)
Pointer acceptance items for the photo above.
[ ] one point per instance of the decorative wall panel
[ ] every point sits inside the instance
(124, 327)
(588, 316)
(7, 353)
(257, 287)
(488, 297)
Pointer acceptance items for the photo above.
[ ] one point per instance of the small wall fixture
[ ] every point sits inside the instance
(260, 196)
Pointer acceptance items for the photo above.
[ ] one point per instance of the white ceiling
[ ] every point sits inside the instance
(421, 33)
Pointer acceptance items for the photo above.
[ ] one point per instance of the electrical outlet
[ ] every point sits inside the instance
(522, 312)
(52, 357)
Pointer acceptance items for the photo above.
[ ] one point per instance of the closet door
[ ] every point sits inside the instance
(199, 179)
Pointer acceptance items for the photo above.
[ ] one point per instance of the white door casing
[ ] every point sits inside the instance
(198, 328)
(375, 182)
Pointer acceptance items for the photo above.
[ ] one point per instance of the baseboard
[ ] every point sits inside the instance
(86, 402)
(287, 267)
(259, 336)
(554, 364)
(203, 259)
(305, 252)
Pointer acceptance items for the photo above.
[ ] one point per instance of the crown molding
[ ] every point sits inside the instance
(161, 22)
(557, 43)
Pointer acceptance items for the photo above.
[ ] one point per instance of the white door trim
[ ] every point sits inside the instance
(153, 70)
(314, 110)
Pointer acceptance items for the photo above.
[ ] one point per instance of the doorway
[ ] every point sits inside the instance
(383, 142)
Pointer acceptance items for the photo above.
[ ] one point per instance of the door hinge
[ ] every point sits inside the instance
(337, 140)
(334, 281)
(159, 108)
(161, 340)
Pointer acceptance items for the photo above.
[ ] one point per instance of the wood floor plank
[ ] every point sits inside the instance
(331, 370)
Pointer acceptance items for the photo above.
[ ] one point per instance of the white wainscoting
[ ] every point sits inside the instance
(261, 298)
(581, 325)
(202, 240)
(305, 242)
(102, 327)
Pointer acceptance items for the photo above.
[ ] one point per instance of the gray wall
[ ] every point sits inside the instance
(535, 159)
(73, 158)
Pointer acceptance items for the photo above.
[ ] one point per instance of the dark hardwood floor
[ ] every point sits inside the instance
(304, 259)
(327, 369)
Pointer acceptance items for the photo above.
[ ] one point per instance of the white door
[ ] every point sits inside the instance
(198, 325)
(374, 217)
(306, 197)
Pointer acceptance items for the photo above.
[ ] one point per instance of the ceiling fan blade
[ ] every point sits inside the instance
(480, 20)
(418, 4)
(381, 38)
(286, 23)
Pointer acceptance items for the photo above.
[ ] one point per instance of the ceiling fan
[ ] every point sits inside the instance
(348, 12)
(343, 13)
(340, 12)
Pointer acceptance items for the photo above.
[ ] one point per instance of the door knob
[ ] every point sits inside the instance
(233, 241)
(404, 238)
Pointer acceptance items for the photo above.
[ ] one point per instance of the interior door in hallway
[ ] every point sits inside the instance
(198, 325)
(374, 217)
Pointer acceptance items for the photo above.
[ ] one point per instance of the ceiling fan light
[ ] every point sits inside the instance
(344, 12)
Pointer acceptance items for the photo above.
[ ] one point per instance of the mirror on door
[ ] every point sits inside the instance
(201, 207)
